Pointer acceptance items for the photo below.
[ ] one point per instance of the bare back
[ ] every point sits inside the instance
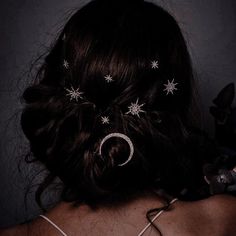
(214, 216)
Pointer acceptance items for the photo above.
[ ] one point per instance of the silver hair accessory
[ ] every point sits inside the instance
(155, 64)
(66, 64)
(105, 120)
(170, 87)
(74, 93)
(122, 136)
(108, 78)
(135, 108)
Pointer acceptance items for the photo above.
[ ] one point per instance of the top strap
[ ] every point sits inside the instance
(154, 218)
(140, 234)
(54, 225)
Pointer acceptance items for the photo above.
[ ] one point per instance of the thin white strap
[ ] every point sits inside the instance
(140, 234)
(53, 224)
(155, 217)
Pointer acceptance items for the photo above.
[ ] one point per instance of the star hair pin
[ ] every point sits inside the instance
(170, 87)
(66, 64)
(135, 108)
(155, 64)
(108, 78)
(105, 120)
(74, 93)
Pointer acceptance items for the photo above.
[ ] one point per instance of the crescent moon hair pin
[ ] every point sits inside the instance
(122, 136)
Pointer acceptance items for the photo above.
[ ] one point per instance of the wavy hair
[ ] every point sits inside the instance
(119, 38)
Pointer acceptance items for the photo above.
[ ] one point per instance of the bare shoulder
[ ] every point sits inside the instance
(212, 216)
(221, 209)
(14, 231)
(223, 204)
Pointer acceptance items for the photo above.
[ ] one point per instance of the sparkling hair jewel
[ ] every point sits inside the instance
(122, 136)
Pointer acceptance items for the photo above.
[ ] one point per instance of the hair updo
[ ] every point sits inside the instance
(121, 40)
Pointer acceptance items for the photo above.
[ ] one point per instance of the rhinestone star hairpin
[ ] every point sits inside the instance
(105, 120)
(155, 64)
(74, 93)
(170, 87)
(108, 78)
(135, 108)
(66, 64)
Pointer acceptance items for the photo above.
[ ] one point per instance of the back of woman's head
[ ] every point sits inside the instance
(116, 53)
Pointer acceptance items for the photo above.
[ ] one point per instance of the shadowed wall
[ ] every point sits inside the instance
(28, 27)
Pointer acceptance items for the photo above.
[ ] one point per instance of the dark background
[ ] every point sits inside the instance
(28, 27)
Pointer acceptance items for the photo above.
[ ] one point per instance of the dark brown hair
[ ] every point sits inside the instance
(120, 38)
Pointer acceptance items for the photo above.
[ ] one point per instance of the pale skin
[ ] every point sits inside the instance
(214, 216)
